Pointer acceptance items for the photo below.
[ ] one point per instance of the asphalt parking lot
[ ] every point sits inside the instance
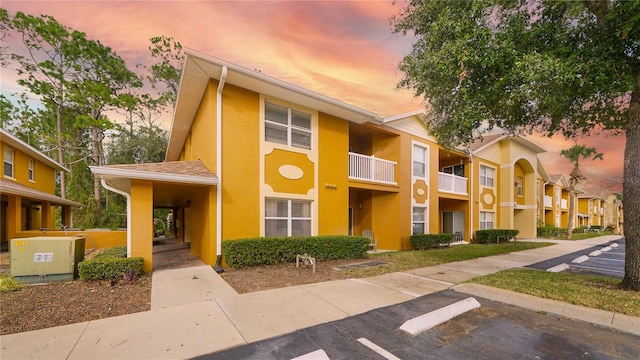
(493, 331)
(607, 259)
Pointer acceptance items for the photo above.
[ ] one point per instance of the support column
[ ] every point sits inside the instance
(14, 216)
(45, 216)
(142, 222)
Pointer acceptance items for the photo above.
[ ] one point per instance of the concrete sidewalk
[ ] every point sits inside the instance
(194, 311)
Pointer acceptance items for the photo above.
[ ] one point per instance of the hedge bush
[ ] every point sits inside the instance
(428, 241)
(108, 267)
(492, 235)
(276, 250)
(550, 231)
(117, 251)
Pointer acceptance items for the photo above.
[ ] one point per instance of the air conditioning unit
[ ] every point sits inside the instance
(46, 259)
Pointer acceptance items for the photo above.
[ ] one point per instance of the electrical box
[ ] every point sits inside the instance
(46, 259)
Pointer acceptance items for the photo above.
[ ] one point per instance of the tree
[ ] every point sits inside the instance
(166, 72)
(539, 65)
(574, 154)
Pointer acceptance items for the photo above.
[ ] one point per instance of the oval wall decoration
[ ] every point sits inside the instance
(420, 192)
(291, 172)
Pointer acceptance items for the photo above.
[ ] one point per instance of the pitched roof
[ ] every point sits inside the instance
(14, 188)
(180, 172)
(556, 177)
(16, 143)
(486, 140)
(490, 139)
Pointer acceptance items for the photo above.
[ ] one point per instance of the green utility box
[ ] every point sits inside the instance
(46, 259)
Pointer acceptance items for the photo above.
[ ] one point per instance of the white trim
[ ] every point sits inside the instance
(221, 83)
(128, 197)
(15, 142)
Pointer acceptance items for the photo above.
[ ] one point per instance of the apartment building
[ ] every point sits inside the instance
(27, 189)
(252, 156)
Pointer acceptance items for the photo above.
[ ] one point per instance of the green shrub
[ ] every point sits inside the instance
(494, 235)
(550, 231)
(109, 267)
(428, 241)
(117, 251)
(276, 250)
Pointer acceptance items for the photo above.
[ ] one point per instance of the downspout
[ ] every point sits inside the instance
(223, 78)
(128, 197)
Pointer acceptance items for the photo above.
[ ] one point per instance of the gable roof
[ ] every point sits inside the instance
(490, 139)
(36, 154)
(199, 68)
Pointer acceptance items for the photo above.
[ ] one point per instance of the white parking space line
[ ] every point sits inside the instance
(315, 355)
(378, 349)
(599, 269)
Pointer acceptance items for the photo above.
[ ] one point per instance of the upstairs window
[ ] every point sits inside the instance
(287, 126)
(457, 170)
(486, 176)
(519, 185)
(420, 161)
(284, 217)
(31, 170)
(8, 162)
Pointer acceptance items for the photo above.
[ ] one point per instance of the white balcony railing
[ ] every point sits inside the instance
(548, 201)
(452, 183)
(371, 168)
(563, 204)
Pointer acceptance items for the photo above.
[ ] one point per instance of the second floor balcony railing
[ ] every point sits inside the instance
(452, 183)
(547, 201)
(563, 204)
(371, 168)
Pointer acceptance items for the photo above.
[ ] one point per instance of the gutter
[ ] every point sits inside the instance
(128, 197)
(223, 78)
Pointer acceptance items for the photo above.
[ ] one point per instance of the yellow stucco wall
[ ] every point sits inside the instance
(241, 163)
(333, 165)
(44, 176)
(142, 222)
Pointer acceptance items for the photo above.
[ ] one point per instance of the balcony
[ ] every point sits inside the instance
(563, 204)
(452, 183)
(547, 201)
(371, 168)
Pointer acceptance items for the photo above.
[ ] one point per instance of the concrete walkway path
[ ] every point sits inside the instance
(195, 312)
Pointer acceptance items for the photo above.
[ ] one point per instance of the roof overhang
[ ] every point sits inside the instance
(8, 187)
(36, 154)
(182, 172)
(199, 68)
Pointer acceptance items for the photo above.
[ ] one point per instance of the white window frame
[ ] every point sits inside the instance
(520, 186)
(452, 169)
(424, 221)
(9, 163)
(290, 127)
(484, 178)
(289, 218)
(32, 170)
(484, 222)
(418, 148)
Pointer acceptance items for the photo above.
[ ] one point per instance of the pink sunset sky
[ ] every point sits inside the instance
(343, 49)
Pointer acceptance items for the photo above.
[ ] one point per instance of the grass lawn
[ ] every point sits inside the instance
(589, 234)
(598, 292)
(407, 260)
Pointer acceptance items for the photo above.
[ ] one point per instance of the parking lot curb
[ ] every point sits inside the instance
(620, 322)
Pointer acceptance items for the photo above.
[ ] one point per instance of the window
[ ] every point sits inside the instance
(457, 170)
(31, 170)
(287, 217)
(519, 183)
(486, 220)
(486, 176)
(419, 221)
(8, 162)
(420, 163)
(286, 126)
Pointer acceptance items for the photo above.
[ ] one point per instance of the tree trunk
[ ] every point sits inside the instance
(631, 193)
(95, 156)
(572, 209)
(60, 141)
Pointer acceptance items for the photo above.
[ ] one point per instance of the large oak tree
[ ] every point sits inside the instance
(567, 67)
